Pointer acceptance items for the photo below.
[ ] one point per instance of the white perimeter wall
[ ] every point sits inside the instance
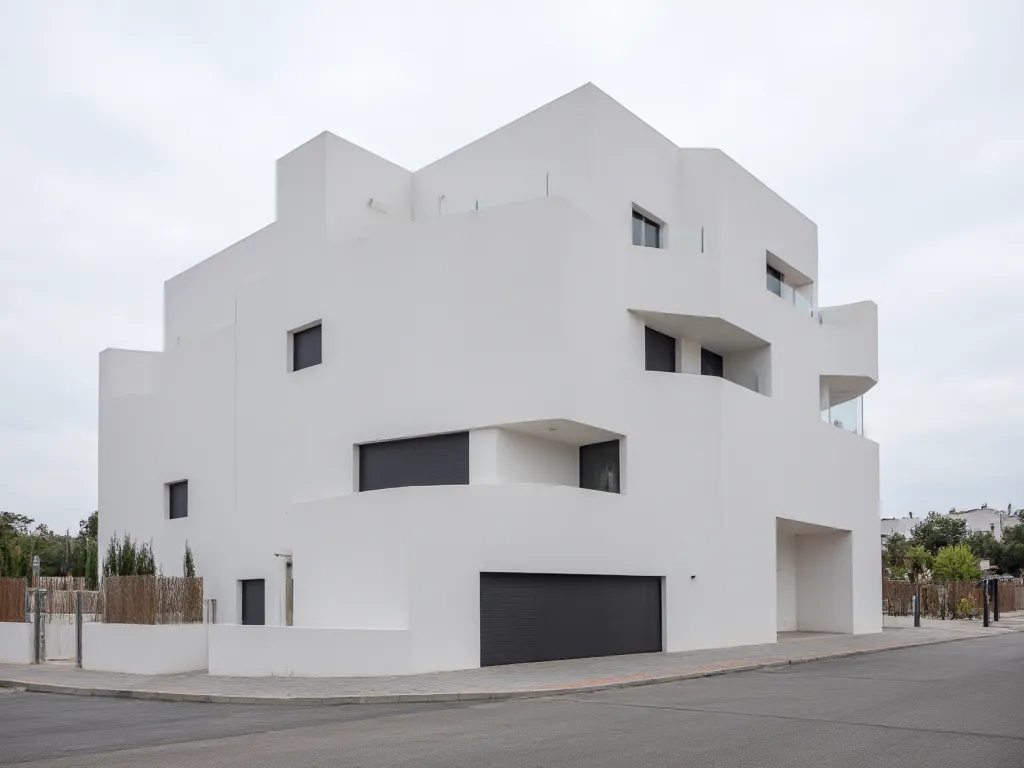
(144, 649)
(247, 651)
(15, 642)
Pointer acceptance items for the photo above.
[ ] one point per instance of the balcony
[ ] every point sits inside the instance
(790, 295)
(848, 349)
(847, 415)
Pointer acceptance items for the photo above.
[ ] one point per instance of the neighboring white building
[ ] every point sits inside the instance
(980, 520)
(985, 520)
(900, 525)
(539, 307)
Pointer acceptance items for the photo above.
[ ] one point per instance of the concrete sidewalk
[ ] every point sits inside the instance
(516, 681)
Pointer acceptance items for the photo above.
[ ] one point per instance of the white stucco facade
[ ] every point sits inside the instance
(497, 291)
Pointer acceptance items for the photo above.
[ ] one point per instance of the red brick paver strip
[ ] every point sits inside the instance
(516, 681)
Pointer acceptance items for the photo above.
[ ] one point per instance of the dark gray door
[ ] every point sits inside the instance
(541, 616)
(432, 460)
(253, 601)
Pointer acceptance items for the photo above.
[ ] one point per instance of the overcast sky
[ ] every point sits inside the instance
(137, 138)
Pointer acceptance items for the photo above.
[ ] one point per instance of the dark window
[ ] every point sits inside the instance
(660, 351)
(645, 231)
(711, 364)
(433, 460)
(599, 466)
(177, 499)
(773, 278)
(253, 601)
(307, 348)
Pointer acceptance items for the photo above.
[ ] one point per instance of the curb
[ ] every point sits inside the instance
(631, 681)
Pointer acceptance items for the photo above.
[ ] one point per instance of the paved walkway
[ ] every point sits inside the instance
(515, 681)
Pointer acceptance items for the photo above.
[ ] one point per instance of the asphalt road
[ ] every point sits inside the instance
(957, 704)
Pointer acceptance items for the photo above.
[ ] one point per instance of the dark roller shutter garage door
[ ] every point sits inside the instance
(433, 460)
(541, 617)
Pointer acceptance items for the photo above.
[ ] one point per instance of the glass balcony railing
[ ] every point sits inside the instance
(789, 294)
(848, 415)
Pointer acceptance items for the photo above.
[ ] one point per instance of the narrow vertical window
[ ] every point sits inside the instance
(177, 499)
(307, 347)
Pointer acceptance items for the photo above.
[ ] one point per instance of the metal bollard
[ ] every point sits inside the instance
(39, 633)
(995, 600)
(78, 629)
(917, 607)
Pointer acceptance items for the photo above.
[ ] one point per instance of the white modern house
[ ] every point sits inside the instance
(509, 407)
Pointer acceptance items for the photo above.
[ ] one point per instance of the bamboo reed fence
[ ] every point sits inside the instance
(152, 600)
(61, 583)
(63, 602)
(12, 599)
(952, 600)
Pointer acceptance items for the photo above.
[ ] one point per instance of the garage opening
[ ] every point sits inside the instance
(544, 616)
(813, 577)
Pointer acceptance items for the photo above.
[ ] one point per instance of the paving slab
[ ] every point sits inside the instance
(549, 678)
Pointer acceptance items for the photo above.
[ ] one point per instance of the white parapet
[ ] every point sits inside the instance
(15, 642)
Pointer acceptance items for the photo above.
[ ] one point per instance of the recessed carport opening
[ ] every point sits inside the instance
(814, 578)
(712, 346)
(527, 617)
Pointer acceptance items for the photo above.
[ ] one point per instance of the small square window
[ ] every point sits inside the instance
(646, 231)
(307, 347)
(177, 499)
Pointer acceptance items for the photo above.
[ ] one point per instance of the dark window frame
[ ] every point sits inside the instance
(643, 225)
(591, 456)
(177, 499)
(711, 363)
(660, 351)
(307, 346)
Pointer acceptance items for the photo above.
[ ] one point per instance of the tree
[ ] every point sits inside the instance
(919, 560)
(91, 574)
(1011, 556)
(956, 563)
(126, 558)
(189, 567)
(14, 525)
(937, 531)
(894, 555)
(985, 546)
(90, 527)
